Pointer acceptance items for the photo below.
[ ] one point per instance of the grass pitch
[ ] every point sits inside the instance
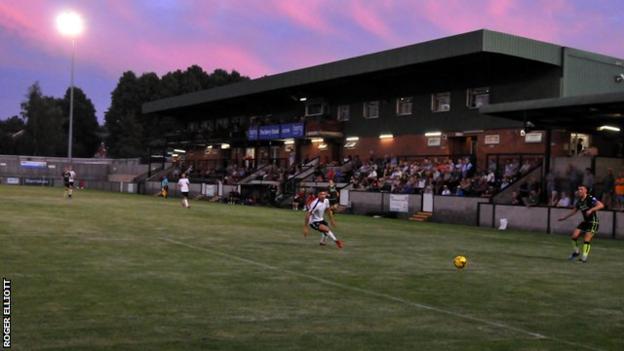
(127, 272)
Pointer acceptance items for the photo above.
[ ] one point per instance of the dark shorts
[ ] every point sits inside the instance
(166, 187)
(333, 202)
(588, 227)
(66, 184)
(185, 194)
(317, 225)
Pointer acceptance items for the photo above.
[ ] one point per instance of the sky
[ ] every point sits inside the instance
(260, 37)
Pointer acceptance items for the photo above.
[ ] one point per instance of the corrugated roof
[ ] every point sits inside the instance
(449, 47)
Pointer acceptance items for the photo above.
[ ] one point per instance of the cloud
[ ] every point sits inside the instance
(309, 14)
(368, 18)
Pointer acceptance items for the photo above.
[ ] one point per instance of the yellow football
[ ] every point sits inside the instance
(460, 262)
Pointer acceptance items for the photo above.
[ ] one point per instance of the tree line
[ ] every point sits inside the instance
(42, 126)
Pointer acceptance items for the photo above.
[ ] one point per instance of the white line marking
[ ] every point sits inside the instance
(381, 295)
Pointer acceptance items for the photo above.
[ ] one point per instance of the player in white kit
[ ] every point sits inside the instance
(315, 218)
(183, 185)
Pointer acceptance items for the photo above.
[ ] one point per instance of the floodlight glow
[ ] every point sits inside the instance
(353, 138)
(322, 146)
(303, 99)
(289, 141)
(609, 128)
(225, 146)
(386, 136)
(317, 140)
(433, 134)
(180, 151)
(69, 23)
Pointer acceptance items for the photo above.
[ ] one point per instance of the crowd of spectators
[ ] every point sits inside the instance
(561, 188)
(441, 176)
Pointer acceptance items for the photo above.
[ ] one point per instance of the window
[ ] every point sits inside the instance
(343, 112)
(371, 109)
(477, 97)
(404, 106)
(207, 125)
(441, 102)
(222, 123)
(314, 108)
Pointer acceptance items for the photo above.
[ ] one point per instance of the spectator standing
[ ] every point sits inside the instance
(588, 179)
(608, 184)
(619, 190)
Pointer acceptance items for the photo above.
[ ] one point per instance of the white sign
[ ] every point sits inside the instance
(399, 203)
(427, 202)
(492, 139)
(344, 197)
(210, 190)
(534, 137)
(434, 141)
(12, 181)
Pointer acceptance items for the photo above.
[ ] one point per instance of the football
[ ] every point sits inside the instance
(460, 262)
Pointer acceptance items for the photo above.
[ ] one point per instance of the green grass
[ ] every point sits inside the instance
(111, 271)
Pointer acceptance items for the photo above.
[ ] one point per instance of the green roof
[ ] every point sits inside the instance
(481, 41)
(575, 112)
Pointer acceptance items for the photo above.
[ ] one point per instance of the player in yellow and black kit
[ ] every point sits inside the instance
(588, 205)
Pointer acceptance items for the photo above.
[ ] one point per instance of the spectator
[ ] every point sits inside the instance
(608, 184)
(516, 199)
(564, 201)
(526, 166)
(619, 190)
(588, 179)
(550, 185)
(554, 198)
(533, 198)
(445, 190)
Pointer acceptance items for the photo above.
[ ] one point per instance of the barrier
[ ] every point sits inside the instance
(363, 202)
(456, 209)
(546, 219)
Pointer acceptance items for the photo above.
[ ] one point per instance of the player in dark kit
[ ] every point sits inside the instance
(588, 205)
(334, 195)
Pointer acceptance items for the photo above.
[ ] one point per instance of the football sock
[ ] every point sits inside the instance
(331, 235)
(586, 248)
(70, 193)
(575, 246)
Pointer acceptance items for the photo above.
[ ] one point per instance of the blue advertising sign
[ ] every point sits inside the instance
(291, 130)
(298, 130)
(252, 133)
(34, 164)
(269, 132)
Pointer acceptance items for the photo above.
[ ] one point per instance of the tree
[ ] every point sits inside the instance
(44, 122)
(85, 124)
(129, 131)
(11, 131)
(120, 119)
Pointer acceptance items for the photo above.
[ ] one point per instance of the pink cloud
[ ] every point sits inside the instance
(308, 14)
(509, 16)
(122, 42)
(368, 19)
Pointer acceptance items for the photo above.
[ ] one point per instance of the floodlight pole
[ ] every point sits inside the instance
(71, 104)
